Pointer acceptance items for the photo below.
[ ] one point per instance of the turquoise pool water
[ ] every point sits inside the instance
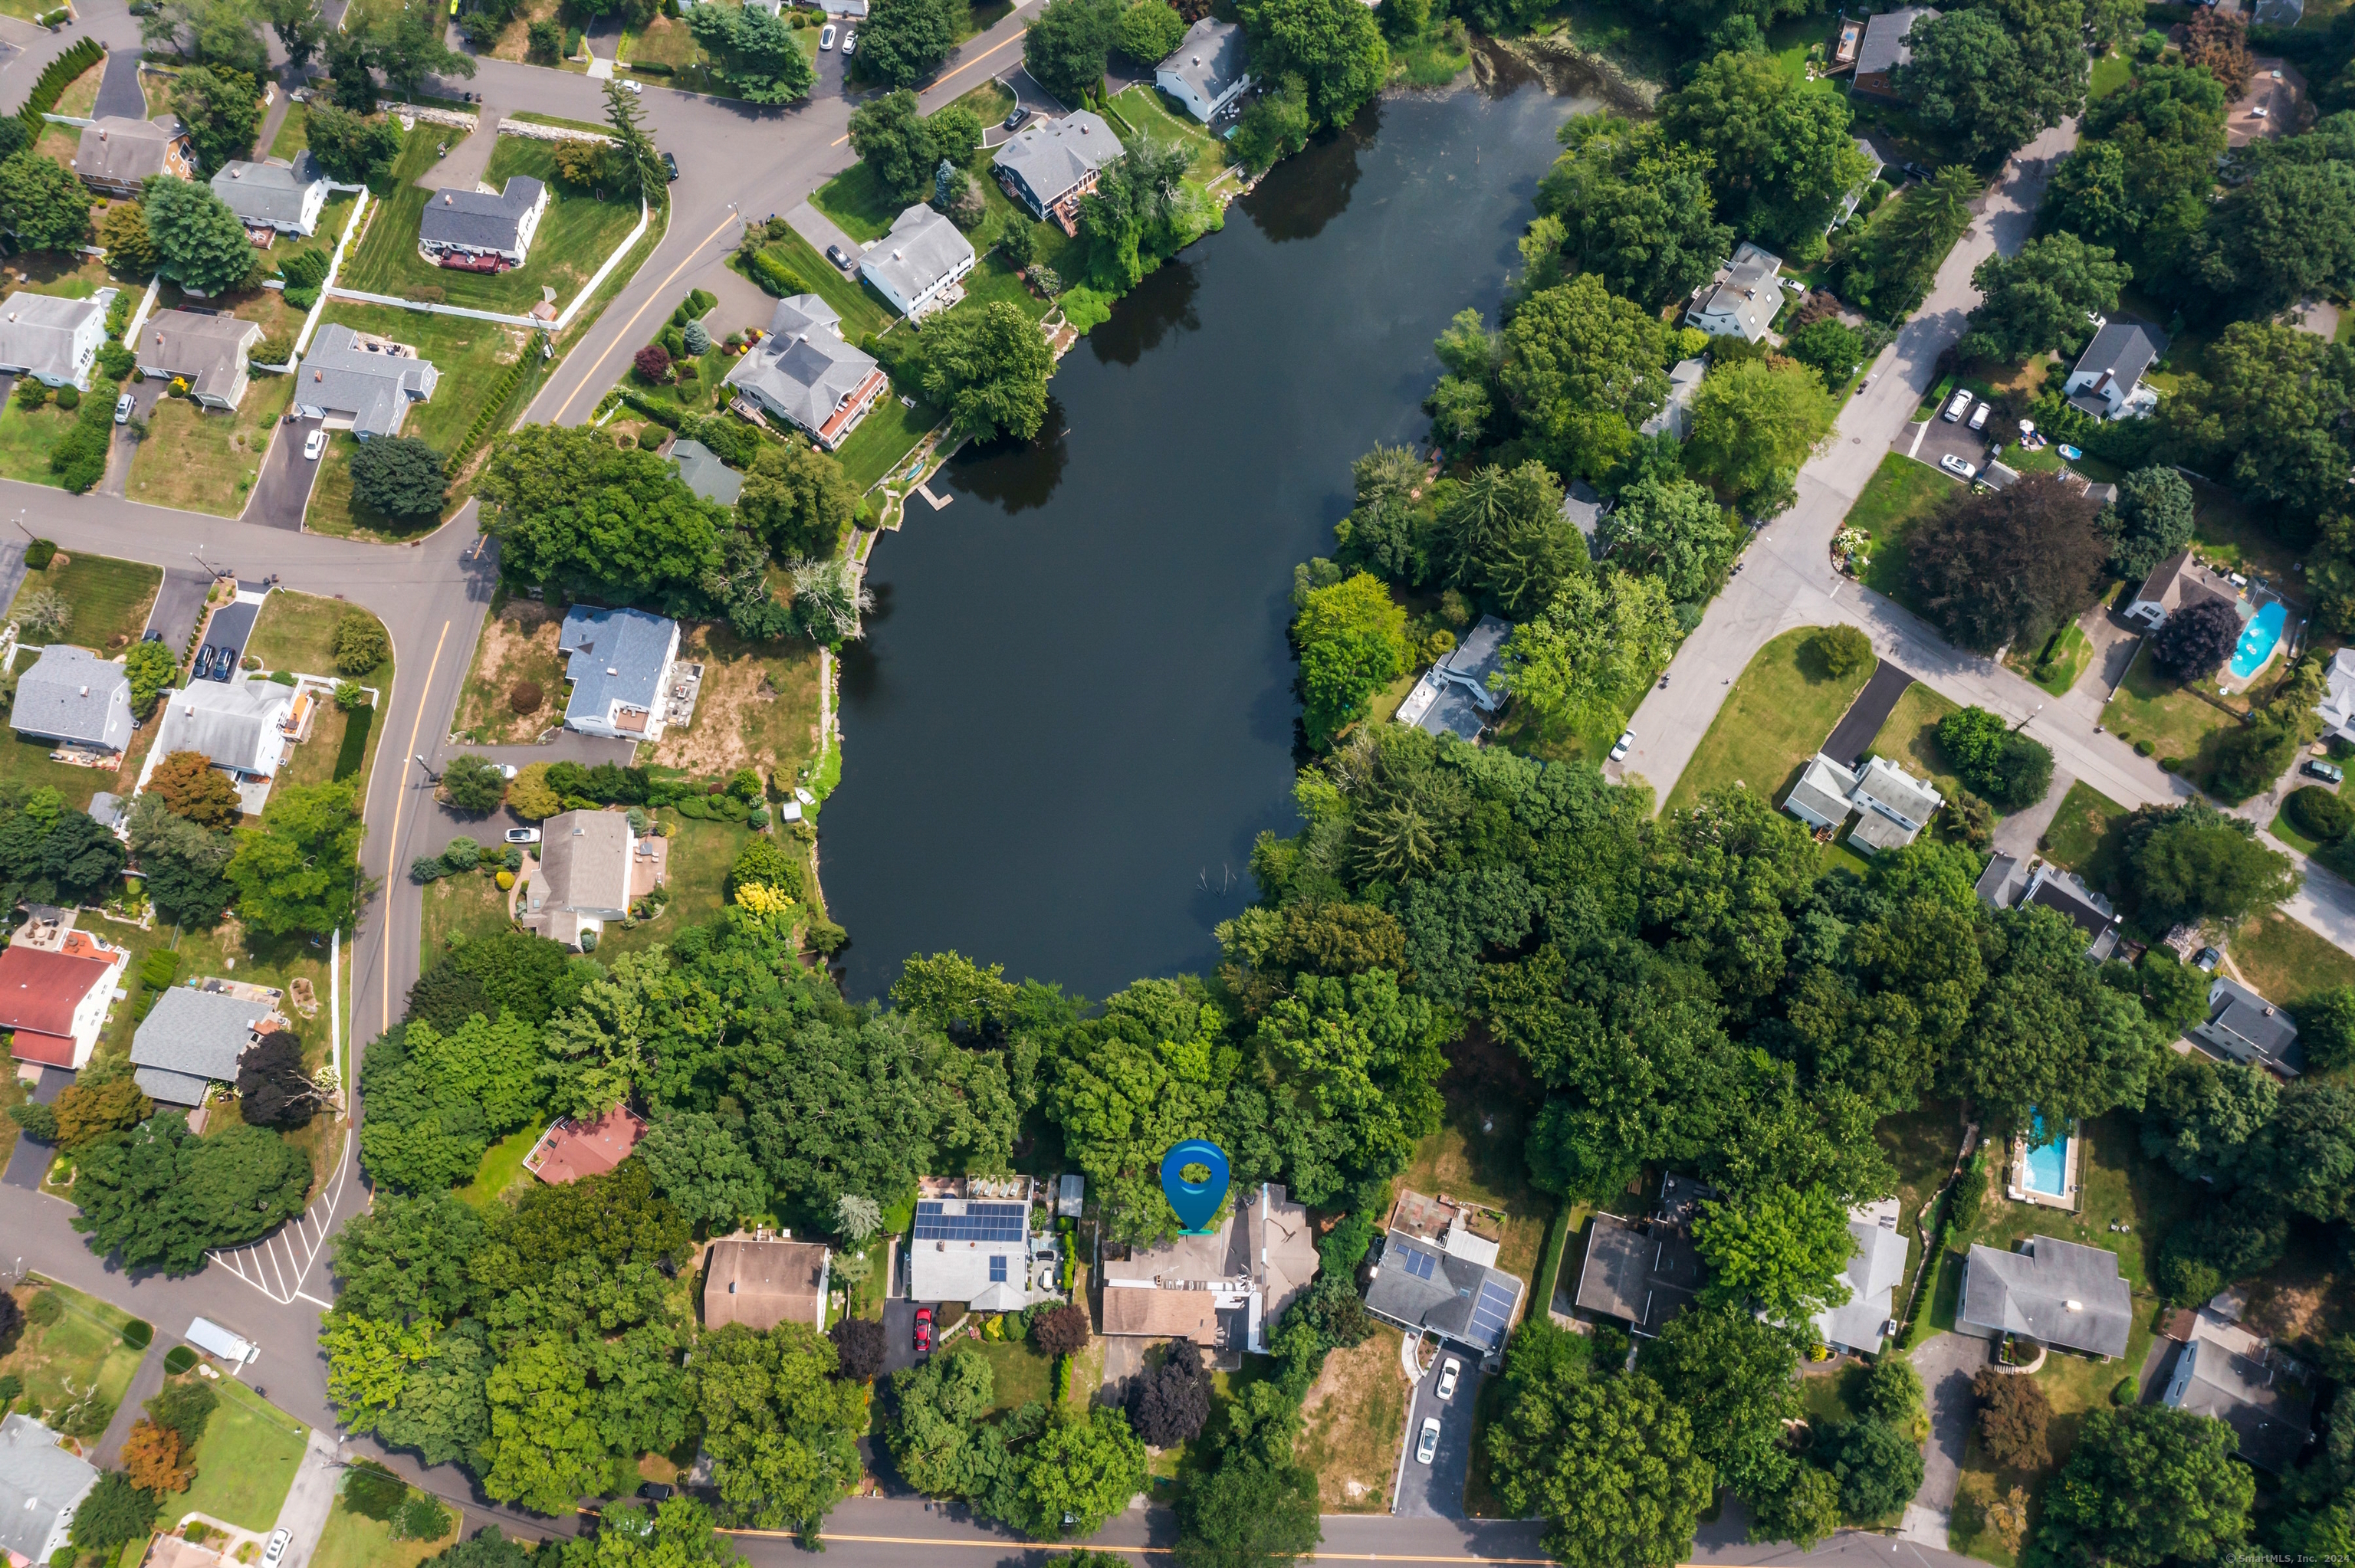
(2048, 1163)
(2257, 640)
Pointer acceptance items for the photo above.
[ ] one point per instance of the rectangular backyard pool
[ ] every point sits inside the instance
(2048, 1163)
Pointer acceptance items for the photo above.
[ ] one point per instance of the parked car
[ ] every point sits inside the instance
(634, 88)
(850, 42)
(203, 668)
(152, 636)
(670, 167)
(1957, 405)
(1626, 744)
(1015, 116)
(2315, 768)
(825, 38)
(314, 444)
(1449, 1371)
(122, 406)
(279, 1540)
(506, 770)
(923, 1329)
(522, 835)
(654, 1491)
(1979, 416)
(224, 664)
(839, 257)
(2207, 960)
(1955, 465)
(1428, 1445)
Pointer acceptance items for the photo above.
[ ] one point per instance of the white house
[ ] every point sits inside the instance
(1892, 805)
(619, 662)
(1206, 72)
(52, 340)
(482, 231)
(53, 1000)
(2107, 382)
(41, 1484)
(1875, 1269)
(920, 264)
(274, 195)
(1743, 300)
(2337, 705)
(238, 724)
(74, 697)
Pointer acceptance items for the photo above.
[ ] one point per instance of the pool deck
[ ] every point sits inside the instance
(2016, 1185)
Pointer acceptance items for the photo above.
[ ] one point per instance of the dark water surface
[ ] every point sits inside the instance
(1073, 710)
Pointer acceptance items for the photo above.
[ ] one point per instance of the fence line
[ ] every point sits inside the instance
(562, 321)
(326, 284)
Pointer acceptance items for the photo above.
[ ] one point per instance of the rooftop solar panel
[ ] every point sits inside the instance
(979, 1222)
(1491, 1314)
(1421, 1264)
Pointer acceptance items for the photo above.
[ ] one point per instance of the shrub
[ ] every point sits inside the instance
(474, 783)
(40, 553)
(2014, 1416)
(1844, 649)
(653, 363)
(526, 697)
(138, 1333)
(68, 398)
(46, 1310)
(361, 643)
(2318, 813)
(177, 1360)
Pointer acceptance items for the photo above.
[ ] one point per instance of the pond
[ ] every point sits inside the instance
(1074, 707)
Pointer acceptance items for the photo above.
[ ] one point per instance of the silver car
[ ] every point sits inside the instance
(1428, 1445)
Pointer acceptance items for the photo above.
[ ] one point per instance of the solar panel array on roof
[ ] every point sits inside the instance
(979, 1222)
(1420, 1264)
(1491, 1314)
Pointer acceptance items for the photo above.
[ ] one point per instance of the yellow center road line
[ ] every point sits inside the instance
(426, 692)
(956, 73)
(581, 385)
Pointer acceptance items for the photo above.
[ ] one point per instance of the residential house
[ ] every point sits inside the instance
(54, 341)
(1743, 300)
(2229, 1371)
(2054, 1292)
(1438, 1275)
(1454, 696)
(804, 373)
(1051, 163)
(2245, 1027)
(618, 661)
(1206, 71)
(2107, 381)
(1891, 806)
(701, 469)
(1884, 49)
(763, 1279)
(2180, 581)
(1646, 1270)
(1225, 1291)
(41, 1484)
(2008, 883)
(209, 352)
(2337, 707)
(480, 230)
(361, 383)
(1875, 1270)
(193, 1037)
(975, 1242)
(75, 698)
(1855, 197)
(920, 264)
(1585, 510)
(55, 999)
(117, 154)
(239, 724)
(274, 197)
(570, 1149)
(1675, 416)
(580, 878)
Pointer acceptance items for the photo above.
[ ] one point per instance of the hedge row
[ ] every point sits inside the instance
(660, 413)
(491, 411)
(55, 78)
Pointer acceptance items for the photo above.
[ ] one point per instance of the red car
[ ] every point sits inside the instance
(923, 1329)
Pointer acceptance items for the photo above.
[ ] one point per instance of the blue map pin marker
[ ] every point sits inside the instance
(1197, 1202)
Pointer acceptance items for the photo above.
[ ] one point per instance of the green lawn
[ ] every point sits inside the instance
(502, 1165)
(354, 1540)
(78, 1365)
(993, 280)
(2233, 540)
(2111, 72)
(859, 204)
(2057, 664)
(27, 436)
(296, 631)
(1909, 737)
(1024, 1374)
(1164, 121)
(1921, 1144)
(467, 905)
(889, 433)
(2151, 707)
(700, 855)
(2288, 962)
(2282, 828)
(576, 234)
(2081, 836)
(861, 309)
(1902, 494)
(1778, 715)
(246, 1459)
(109, 597)
(203, 460)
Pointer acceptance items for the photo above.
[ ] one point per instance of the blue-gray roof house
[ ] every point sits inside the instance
(619, 663)
(1454, 696)
(72, 696)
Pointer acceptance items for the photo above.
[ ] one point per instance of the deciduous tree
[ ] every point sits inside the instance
(160, 1196)
(2013, 1415)
(187, 783)
(1673, 530)
(2147, 1485)
(2149, 522)
(300, 870)
(1148, 31)
(1783, 1252)
(2041, 299)
(2008, 565)
(989, 371)
(904, 41)
(1247, 1514)
(1583, 367)
(474, 782)
(1754, 424)
(2193, 862)
(1780, 151)
(1332, 46)
(2196, 640)
(1608, 1462)
(1352, 642)
(571, 510)
(42, 203)
(351, 148)
(1066, 45)
(1636, 208)
(221, 109)
(703, 1166)
(273, 1089)
(1995, 75)
(199, 243)
(151, 1457)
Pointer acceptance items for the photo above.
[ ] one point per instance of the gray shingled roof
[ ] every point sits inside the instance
(2269, 1411)
(2244, 1025)
(342, 376)
(1884, 47)
(40, 1482)
(120, 151)
(584, 864)
(37, 333)
(1053, 155)
(2124, 349)
(2055, 1292)
(70, 693)
(1210, 59)
(1875, 1269)
(701, 469)
(272, 192)
(616, 655)
(477, 220)
(192, 1036)
(208, 350)
(923, 248)
(803, 368)
(233, 722)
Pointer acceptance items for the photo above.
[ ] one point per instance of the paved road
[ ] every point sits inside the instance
(303, 1515)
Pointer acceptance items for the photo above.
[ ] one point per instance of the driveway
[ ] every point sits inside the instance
(147, 1383)
(118, 92)
(899, 1334)
(29, 1161)
(303, 1515)
(1437, 1490)
(179, 605)
(123, 446)
(1854, 733)
(1932, 439)
(284, 488)
(1947, 1363)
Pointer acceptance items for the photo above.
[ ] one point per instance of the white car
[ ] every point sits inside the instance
(276, 1549)
(1979, 416)
(1449, 1371)
(634, 87)
(522, 835)
(1954, 464)
(312, 445)
(825, 38)
(1955, 409)
(1626, 744)
(122, 406)
(1428, 1444)
(850, 42)
(506, 770)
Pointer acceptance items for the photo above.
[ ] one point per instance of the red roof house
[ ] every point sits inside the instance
(55, 1002)
(570, 1150)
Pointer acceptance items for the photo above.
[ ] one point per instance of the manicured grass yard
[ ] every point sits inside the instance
(110, 598)
(2055, 665)
(861, 309)
(1911, 737)
(2282, 828)
(2288, 962)
(62, 1364)
(510, 651)
(2229, 538)
(889, 433)
(1023, 1374)
(1160, 119)
(296, 631)
(2079, 834)
(200, 459)
(1902, 494)
(470, 354)
(857, 203)
(1921, 1144)
(2178, 724)
(700, 855)
(294, 134)
(1353, 1421)
(30, 760)
(502, 1162)
(1778, 715)
(27, 436)
(467, 905)
(246, 1459)
(576, 234)
(994, 279)
(351, 1541)
(2111, 72)
(333, 509)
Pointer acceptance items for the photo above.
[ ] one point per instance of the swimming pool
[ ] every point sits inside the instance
(2048, 1163)
(2258, 637)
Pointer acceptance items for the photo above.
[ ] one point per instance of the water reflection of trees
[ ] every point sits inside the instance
(1162, 302)
(1016, 474)
(1311, 188)
(862, 671)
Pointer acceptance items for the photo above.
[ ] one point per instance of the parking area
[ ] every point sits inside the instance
(1941, 440)
(899, 1333)
(29, 1161)
(179, 605)
(283, 489)
(1437, 1490)
(230, 626)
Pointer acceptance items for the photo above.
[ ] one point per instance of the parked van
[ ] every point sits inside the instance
(1961, 401)
(1979, 416)
(220, 1344)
